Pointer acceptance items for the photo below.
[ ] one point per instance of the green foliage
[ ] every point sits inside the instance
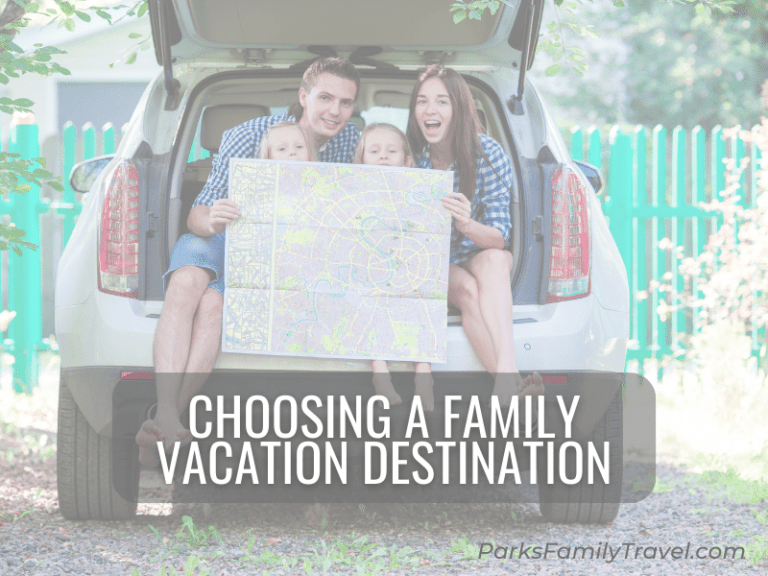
(14, 62)
(757, 552)
(473, 10)
(693, 65)
(736, 489)
(464, 547)
(689, 61)
(727, 284)
(193, 536)
(19, 175)
(561, 52)
(553, 42)
(357, 555)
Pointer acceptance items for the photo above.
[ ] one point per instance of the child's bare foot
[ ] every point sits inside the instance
(506, 385)
(147, 438)
(424, 389)
(171, 429)
(382, 386)
(533, 385)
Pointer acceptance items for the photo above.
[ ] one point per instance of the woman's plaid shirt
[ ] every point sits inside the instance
(493, 194)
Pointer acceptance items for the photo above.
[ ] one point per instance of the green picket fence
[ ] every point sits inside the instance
(24, 273)
(654, 186)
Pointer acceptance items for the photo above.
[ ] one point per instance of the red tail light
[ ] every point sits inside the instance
(569, 261)
(119, 232)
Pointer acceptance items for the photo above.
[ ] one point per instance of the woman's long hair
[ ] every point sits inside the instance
(464, 129)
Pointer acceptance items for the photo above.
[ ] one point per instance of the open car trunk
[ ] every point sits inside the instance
(227, 99)
(267, 46)
(395, 33)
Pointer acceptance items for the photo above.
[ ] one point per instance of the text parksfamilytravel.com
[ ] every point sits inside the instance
(608, 553)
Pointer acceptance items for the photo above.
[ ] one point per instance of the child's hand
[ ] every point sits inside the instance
(460, 209)
(222, 213)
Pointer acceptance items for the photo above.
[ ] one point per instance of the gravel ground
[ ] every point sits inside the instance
(342, 539)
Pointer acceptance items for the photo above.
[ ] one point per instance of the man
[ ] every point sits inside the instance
(188, 334)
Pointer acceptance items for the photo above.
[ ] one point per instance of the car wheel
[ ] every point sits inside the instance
(84, 464)
(585, 503)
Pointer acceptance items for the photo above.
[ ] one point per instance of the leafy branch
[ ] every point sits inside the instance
(563, 56)
(18, 175)
(473, 10)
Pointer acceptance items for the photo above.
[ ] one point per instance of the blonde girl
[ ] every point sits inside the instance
(286, 140)
(386, 145)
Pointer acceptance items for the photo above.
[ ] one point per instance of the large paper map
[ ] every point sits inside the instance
(337, 260)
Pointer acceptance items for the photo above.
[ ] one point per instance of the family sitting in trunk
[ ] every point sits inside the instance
(444, 133)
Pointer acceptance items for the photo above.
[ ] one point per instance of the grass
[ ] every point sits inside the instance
(363, 556)
(712, 421)
(358, 554)
(195, 537)
(757, 552)
(464, 547)
(711, 411)
(332, 536)
(660, 485)
(15, 516)
(735, 488)
(761, 517)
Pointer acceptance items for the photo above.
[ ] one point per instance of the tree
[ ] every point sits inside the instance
(705, 68)
(683, 62)
(18, 175)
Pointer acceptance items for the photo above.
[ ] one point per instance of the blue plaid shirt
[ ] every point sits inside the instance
(243, 142)
(493, 193)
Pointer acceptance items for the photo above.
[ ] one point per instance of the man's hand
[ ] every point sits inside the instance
(222, 213)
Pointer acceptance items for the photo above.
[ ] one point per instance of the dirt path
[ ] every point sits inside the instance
(345, 539)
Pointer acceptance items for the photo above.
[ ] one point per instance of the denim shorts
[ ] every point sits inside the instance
(208, 253)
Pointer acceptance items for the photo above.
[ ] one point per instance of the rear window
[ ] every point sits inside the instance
(395, 116)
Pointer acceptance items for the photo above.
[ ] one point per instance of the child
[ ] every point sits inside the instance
(286, 140)
(282, 141)
(386, 145)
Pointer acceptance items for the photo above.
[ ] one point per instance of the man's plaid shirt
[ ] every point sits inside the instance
(243, 142)
(493, 193)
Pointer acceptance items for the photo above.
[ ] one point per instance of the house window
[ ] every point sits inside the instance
(98, 102)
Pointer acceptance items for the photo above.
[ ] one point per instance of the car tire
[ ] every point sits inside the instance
(84, 464)
(584, 503)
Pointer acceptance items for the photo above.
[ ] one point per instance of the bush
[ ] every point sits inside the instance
(728, 282)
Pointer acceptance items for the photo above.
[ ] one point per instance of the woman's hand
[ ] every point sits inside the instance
(222, 213)
(460, 209)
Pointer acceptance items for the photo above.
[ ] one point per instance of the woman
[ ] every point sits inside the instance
(446, 134)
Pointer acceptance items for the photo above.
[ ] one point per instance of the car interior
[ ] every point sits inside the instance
(223, 104)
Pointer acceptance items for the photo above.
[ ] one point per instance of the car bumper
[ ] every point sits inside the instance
(106, 336)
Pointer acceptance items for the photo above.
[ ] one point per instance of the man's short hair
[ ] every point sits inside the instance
(340, 67)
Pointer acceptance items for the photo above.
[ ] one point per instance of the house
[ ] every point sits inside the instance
(94, 92)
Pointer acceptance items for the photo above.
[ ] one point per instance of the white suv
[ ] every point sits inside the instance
(228, 61)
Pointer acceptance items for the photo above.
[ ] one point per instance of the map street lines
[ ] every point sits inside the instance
(337, 261)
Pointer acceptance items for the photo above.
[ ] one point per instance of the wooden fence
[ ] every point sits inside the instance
(655, 186)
